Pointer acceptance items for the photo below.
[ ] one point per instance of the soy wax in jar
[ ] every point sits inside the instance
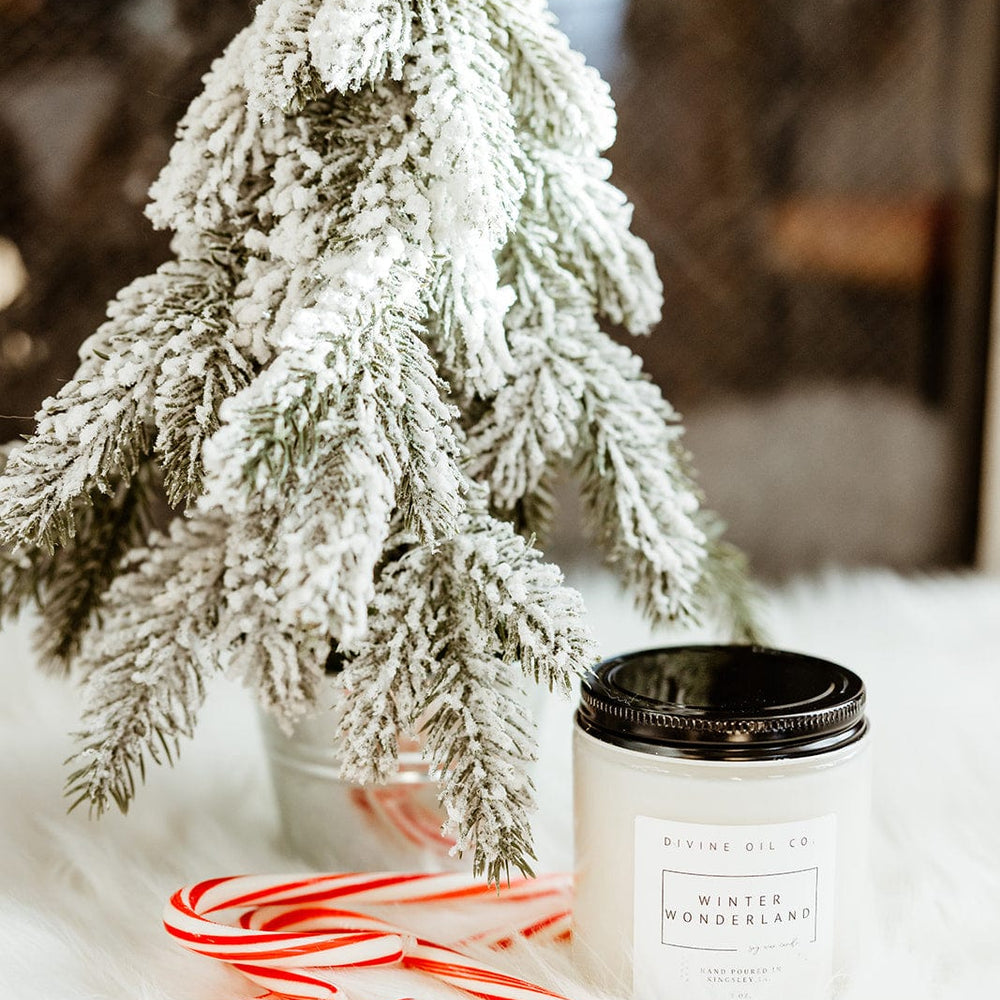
(722, 800)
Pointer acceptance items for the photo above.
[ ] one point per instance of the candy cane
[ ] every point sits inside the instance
(291, 934)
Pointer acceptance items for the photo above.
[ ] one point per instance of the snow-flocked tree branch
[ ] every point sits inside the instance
(395, 237)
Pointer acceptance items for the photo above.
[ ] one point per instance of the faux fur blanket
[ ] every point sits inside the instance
(80, 900)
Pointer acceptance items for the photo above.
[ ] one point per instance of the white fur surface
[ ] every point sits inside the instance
(80, 900)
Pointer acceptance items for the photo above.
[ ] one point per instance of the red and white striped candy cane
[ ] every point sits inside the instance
(291, 934)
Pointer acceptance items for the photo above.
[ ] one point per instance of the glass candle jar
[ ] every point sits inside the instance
(722, 800)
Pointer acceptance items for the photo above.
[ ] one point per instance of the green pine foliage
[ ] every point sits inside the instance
(108, 528)
(146, 676)
(377, 346)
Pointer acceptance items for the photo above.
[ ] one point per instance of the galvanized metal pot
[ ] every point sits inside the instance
(340, 826)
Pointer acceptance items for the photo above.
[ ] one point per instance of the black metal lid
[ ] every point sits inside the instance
(723, 703)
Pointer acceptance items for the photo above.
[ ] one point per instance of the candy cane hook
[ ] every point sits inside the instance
(291, 934)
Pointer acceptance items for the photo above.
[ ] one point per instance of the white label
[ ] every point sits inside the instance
(733, 912)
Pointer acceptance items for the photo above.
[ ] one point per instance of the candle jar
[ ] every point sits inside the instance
(722, 800)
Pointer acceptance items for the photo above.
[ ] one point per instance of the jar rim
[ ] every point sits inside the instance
(723, 702)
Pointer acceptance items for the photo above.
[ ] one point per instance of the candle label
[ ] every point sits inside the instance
(733, 912)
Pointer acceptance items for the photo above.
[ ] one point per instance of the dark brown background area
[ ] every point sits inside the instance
(818, 183)
(816, 179)
(90, 94)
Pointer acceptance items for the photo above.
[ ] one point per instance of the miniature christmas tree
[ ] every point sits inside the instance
(376, 346)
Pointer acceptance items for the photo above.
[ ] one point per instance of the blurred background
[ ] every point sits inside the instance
(817, 179)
